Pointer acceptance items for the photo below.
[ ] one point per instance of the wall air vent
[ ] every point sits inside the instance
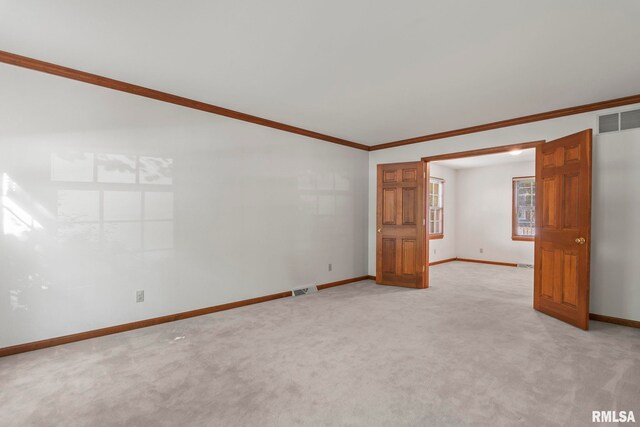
(304, 290)
(525, 265)
(630, 119)
(619, 121)
(609, 123)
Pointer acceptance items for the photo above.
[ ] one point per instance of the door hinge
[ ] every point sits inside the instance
(424, 268)
(424, 174)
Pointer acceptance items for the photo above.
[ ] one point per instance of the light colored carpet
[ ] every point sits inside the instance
(468, 351)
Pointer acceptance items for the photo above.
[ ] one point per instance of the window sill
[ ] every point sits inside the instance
(436, 236)
(523, 238)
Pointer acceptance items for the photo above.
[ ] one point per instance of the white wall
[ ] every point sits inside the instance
(245, 210)
(232, 211)
(615, 289)
(615, 250)
(445, 248)
(484, 214)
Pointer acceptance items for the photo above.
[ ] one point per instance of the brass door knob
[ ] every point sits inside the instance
(379, 230)
(581, 240)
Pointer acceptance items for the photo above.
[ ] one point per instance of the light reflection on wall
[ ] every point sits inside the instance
(22, 219)
(99, 206)
(121, 201)
(16, 221)
(320, 194)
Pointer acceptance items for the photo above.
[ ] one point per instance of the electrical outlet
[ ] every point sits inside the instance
(330, 267)
(481, 250)
(139, 296)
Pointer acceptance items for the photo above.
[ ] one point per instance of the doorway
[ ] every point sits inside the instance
(481, 209)
(561, 230)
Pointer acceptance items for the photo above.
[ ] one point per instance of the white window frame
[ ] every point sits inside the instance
(436, 211)
(523, 205)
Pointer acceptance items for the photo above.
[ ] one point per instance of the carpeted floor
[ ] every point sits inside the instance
(468, 351)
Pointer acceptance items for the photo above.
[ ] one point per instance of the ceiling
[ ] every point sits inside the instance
(528, 155)
(365, 71)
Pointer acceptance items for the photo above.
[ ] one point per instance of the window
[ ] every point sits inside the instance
(524, 208)
(436, 217)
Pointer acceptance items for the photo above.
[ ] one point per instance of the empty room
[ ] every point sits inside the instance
(481, 210)
(298, 213)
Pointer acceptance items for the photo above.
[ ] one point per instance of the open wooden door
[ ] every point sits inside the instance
(563, 228)
(400, 225)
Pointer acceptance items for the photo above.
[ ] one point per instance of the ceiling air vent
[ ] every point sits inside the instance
(619, 121)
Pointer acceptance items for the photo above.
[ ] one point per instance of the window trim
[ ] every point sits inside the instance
(514, 214)
(438, 235)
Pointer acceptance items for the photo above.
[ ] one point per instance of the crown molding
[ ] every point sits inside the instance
(554, 114)
(94, 79)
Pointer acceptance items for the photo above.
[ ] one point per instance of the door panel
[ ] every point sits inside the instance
(547, 268)
(390, 176)
(570, 201)
(549, 202)
(389, 206)
(408, 256)
(570, 280)
(409, 206)
(400, 230)
(389, 256)
(563, 228)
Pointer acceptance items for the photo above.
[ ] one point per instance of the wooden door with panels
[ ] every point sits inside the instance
(400, 225)
(563, 228)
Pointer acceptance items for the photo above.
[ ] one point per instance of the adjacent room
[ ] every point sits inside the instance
(297, 213)
(482, 209)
